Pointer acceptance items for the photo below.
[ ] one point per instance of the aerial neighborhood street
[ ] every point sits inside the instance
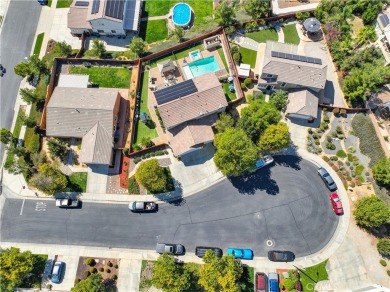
(195, 145)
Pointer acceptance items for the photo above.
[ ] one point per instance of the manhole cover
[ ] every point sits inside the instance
(269, 243)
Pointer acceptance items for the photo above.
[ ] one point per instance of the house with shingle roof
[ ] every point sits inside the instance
(303, 76)
(189, 109)
(87, 113)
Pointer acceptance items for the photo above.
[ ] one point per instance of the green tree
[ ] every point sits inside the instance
(302, 15)
(371, 212)
(152, 176)
(225, 13)
(275, 138)
(257, 117)
(381, 172)
(138, 46)
(5, 136)
(257, 8)
(37, 66)
(29, 95)
(15, 267)
(225, 121)
(279, 99)
(57, 148)
(179, 32)
(383, 246)
(98, 48)
(23, 69)
(63, 49)
(29, 122)
(93, 283)
(366, 34)
(49, 179)
(170, 276)
(220, 274)
(235, 153)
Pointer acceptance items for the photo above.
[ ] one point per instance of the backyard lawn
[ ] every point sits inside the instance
(264, 35)
(154, 30)
(229, 95)
(311, 275)
(63, 3)
(105, 77)
(291, 35)
(142, 129)
(38, 43)
(176, 55)
(222, 55)
(77, 182)
(248, 56)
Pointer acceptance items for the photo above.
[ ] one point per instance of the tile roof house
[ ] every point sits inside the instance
(383, 32)
(189, 109)
(87, 113)
(302, 103)
(104, 17)
(283, 68)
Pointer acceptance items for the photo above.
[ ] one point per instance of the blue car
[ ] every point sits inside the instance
(273, 282)
(241, 253)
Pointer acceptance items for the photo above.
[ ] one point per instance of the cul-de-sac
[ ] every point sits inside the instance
(195, 145)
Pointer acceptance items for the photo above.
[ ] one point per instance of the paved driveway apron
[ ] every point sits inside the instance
(287, 204)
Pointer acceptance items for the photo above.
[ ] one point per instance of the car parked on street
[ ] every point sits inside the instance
(266, 160)
(281, 256)
(336, 204)
(260, 282)
(273, 282)
(56, 274)
(328, 180)
(142, 206)
(241, 253)
(68, 203)
(170, 248)
(201, 250)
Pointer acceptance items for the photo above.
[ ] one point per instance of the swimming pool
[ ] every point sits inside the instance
(181, 14)
(195, 55)
(201, 67)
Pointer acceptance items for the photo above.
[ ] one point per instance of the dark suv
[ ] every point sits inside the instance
(328, 180)
(281, 256)
(201, 250)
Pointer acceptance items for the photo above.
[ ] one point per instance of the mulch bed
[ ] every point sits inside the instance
(124, 172)
(100, 263)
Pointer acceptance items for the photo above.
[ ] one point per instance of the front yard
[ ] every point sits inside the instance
(312, 275)
(77, 182)
(105, 77)
(263, 35)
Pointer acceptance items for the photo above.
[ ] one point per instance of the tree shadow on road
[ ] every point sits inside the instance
(288, 161)
(260, 180)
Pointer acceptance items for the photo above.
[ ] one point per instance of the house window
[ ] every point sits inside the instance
(264, 85)
(283, 84)
(100, 31)
(113, 31)
(269, 75)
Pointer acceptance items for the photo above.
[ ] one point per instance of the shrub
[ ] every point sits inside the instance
(87, 273)
(388, 272)
(359, 169)
(347, 163)
(340, 136)
(325, 158)
(324, 125)
(315, 136)
(133, 186)
(135, 147)
(351, 149)
(125, 151)
(383, 262)
(383, 247)
(341, 153)
(348, 178)
(319, 149)
(75, 282)
(343, 112)
(330, 146)
(247, 82)
(115, 266)
(90, 262)
(326, 119)
(310, 130)
(137, 159)
(336, 111)
(339, 130)
(93, 270)
(114, 277)
(243, 86)
(108, 270)
(351, 184)
(329, 138)
(237, 57)
(110, 264)
(101, 269)
(335, 168)
(340, 163)
(355, 163)
(334, 134)
(334, 158)
(317, 142)
(331, 164)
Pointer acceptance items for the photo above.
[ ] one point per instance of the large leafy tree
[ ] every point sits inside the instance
(63, 49)
(5, 136)
(371, 212)
(235, 153)
(93, 283)
(23, 69)
(275, 138)
(153, 177)
(57, 148)
(29, 95)
(98, 48)
(49, 179)
(257, 117)
(220, 274)
(37, 66)
(383, 246)
(14, 268)
(382, 172)
(137, 46)
(257, 8)
(170, 276)
(225, 121)
(279, 99)
(225, 13)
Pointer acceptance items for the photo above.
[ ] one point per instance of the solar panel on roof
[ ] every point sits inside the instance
(296, 57)
(384, 19)
(131, 14)
(114, 8)
(81, 3)
(175, 91)
(95, 6)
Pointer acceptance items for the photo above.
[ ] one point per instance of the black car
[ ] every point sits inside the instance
(281, 256)
(201, 250)
(328, 180)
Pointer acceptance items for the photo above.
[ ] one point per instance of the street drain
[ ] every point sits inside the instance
(269, 243)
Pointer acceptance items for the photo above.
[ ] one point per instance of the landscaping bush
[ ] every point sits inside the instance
(340, 136)
(340, 163)
(87, 273)
(331, 164)
(341, 153)
(90, 262)
(355, 163)
(317, 142)
(319, 150)
(339, 130)
(237, 57)
(326, 119)
(325, 158)
(137, 159)
(343, 112)
(350, 157)
(329, 138)
(336, 111)
(359, 169)
(107, 270)
(315, 136)
(334, 158)
(101, 269)
(383, 247)
(93, 270)
(351, 184)
(330, 146)
(133, 186)
(115, 266)
(335, 168)
(388, 272)
(351, 149)
(310, 130)
(247, 82)
(243, 86)
(110, 264)
(347, 163)
(383, 262)
(114, 277)
(334, 134)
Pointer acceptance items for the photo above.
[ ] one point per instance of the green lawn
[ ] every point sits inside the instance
(38, 43)
(177, 55)
(248, 56)
(229, 95)
(154, 30)
(264, 35)
(39, 261)
(105, 77)
(291, 35)
(63, 3)
(32, 139)
(201, 8)
(222, 55)
(311, 275)
(142, 129)
(49, 3)
(77, 182)
(15, 134)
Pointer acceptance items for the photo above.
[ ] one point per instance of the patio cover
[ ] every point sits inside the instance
(244, 70)
(166, 66)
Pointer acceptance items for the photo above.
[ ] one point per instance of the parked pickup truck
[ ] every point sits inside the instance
(67, 203)
(142, 206)
(266, 160)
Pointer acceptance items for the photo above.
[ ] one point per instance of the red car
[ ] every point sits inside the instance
(336, 204)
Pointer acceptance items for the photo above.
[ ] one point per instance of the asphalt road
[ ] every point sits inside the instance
(287, 203)
(16, 40)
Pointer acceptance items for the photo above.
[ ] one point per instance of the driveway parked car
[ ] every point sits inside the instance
(336, 204)
(328, 180)
(56, 274)
(260, 282)
(241, 253)
(170, 248)
(273, 282)
(281, 256)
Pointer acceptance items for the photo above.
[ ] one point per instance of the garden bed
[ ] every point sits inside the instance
(107, 267)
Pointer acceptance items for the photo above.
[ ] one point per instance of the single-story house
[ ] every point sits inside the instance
(189, 109)
(104, 17)
(87, 113)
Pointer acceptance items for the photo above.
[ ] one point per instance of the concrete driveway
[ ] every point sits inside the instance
(69, 274)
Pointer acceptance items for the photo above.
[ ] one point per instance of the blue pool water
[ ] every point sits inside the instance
(181, 14)
(201, 67)
(195, 55)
